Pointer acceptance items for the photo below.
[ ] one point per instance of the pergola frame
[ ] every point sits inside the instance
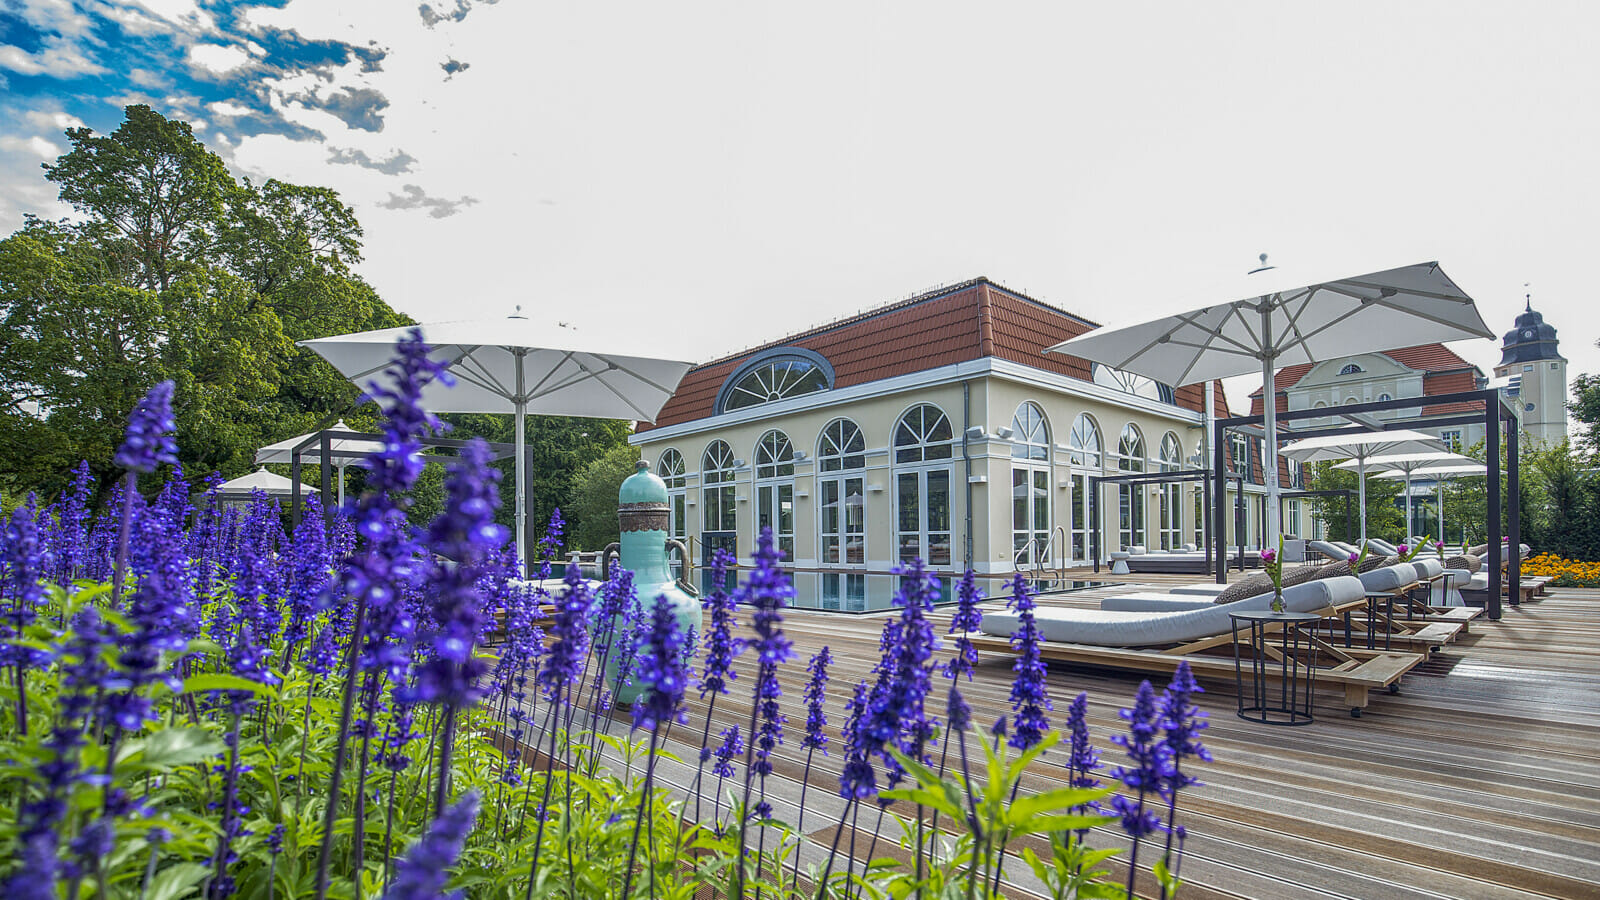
(323, 439)
(1496, 416)
(1096, 514)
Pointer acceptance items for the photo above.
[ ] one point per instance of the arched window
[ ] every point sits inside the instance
(1384, 398)
(670, 469)
(1030, 437)
(1030, 485)
(1171, 452)
(776, 375)
(841, 446)
(1130, 449)
(774, 455)
(1129, 383)
(922, 434)
(1351, 369)
(1085, 442)
(775, 489)
(841, 500)
(716, 486)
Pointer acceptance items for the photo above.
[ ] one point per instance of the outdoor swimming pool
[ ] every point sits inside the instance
(862, 592)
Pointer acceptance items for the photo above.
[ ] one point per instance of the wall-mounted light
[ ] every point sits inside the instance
(1004, 433)
(739, 464)
(742, 498)
(799, 456)
(875, 488)
(974, 433)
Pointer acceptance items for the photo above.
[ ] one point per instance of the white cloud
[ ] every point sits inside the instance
(53, 120)
(58, 59)
(229, 109)
(186, 15)
(35, 145)
(149, 79)
(59, 16)
(218, 59)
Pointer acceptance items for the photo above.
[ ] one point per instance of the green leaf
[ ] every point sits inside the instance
(217, 681)
(170, 748)
(176, 881)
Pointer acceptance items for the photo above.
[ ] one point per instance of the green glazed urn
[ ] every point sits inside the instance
(642, 511)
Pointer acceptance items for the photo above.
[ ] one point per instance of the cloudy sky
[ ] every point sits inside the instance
(718, 175)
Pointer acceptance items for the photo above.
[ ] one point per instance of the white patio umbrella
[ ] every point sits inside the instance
(1275, 318)
(514, 365)
(1440, 473)
(1361, 447)
(259, 480)
(1406, 463)
(341, 451)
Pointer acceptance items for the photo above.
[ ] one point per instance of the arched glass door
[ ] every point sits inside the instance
(1171, 518)
(922, 452)
(1130, 497)
(775, 490)
(719, 529)
(1086, 459)
(1030, 486)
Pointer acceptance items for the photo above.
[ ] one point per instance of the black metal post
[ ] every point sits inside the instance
(294, 489)
(1094, 521)
(1514, 539)
(1491, 424)
(1219, 537)
(325, 474)
(1205, 516)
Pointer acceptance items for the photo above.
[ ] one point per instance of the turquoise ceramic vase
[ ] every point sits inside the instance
(642, 511)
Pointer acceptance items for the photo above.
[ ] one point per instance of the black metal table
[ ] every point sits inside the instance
(1374, 600)
(1292, 659)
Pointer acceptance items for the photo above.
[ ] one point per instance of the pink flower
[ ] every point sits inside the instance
(1268, 556)
(1402, 549)
(1354, 557)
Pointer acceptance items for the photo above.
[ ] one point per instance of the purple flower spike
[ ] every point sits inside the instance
(148, 441)
(1029, 701)
(722, 648)
(857, 780)
(1085, 758)
(816, 696)
(968, 618)
(422, 874)
(563, 663)
(1148, 772)
(768, 590)
(1182, 721)
(959, 712)
(732, 745)
(660, 669)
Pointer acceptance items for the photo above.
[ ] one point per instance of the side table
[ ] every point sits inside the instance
(1295, 666)
(1119, 562)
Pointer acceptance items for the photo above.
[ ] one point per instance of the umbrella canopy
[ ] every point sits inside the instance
(514, 365)
(1275, 318)
(259, 480)
(1441, 471)
(1407, 463)
(1361, 447)
(341, 451)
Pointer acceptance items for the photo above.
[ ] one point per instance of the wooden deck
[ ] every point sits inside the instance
(1481, 779)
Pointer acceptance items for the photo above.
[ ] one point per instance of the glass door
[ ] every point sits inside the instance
(922, 502)
(1080, 518)
(1171, 517)
(775, 510)
(1030, 515)
(842, 515)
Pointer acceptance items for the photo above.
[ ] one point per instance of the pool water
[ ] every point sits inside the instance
(860, 592)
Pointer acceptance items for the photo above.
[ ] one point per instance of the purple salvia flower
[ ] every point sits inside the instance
(309, 572)
(1182, 722)
(1029, 701)
(959, 713)
(722, 648)
(148, 441)
(72, 524)
(21, 569)
(732, 745)
(423, 872)
(565, 658)
(767, 591)
(1148, 772)
(816, 694)
(1084, 758)
(660, 670)
(968, 618)
(898, 712)
(857, 781)
(465, 533)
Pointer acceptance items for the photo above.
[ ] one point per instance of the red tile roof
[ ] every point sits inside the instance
(1434, 360)
(966, 321)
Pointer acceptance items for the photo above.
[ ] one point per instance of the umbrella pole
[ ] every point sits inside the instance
(1269, 409)
(341, 484)
(1438, 486)
(522, 465)
(1408, 506)
(1361, 490)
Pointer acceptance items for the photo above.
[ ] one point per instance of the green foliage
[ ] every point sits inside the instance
(593, 508)
(173, 270)
(1584, 408)
(1384, 519)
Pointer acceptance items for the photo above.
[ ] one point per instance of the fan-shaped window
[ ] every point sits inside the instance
(923, 433)
(778, 375)
(1351, 369)
(774, 456)
(841, 447)
(1384, 398)
(717, 465)
(1085, 442)
(1030, 433)
(1171, 452)
(1129, 383)
(670, 469)
(1130, 449)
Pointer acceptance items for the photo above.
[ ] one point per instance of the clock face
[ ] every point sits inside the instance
(1527, 335)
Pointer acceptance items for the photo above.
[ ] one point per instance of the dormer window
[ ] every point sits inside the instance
(776, 375)
(1129, 383)
(1351, 369)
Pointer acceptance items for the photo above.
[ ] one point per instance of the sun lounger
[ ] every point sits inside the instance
(1157, 641)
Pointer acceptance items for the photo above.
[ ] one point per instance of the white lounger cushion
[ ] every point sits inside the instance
(1428, 568)
(1390, 578)
(1199, 590)
(1158, 602)
(1118, 628)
